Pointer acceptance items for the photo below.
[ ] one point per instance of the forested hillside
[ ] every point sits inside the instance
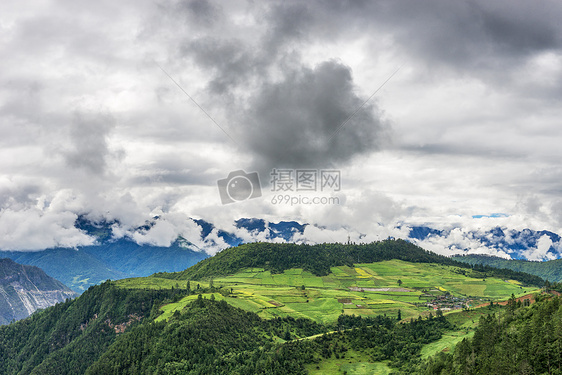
(211, 337)
(318, 259)
(518, 340)
(68, 337)
(126, 327)
(111, 330)
(550, 270)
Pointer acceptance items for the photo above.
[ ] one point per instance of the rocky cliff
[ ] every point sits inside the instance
(24, 289)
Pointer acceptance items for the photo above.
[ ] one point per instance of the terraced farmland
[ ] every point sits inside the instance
(365, 289)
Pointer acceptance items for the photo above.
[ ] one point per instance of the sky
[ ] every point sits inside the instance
(381, 114)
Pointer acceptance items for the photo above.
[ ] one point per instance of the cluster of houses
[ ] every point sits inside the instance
(448, 302)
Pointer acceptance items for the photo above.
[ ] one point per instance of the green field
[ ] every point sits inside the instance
(446, 343)
(366, 289)
(353, 363)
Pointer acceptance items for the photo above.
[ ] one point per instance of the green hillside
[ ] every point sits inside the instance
(318, 259)
(550, 270)
(366, 289)
(517, 340)
(68, 337)
(267, 319)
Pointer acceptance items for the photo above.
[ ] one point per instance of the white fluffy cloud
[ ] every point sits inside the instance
(540, 253)
(34, 229)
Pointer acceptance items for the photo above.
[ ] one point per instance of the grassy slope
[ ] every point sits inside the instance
(272, 295)
(354, 364)
(320, 259)
(325, 296)
(317, 259)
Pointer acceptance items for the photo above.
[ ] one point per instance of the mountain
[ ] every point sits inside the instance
(109, 258)
(89, 265)
(285, 230)
(318, 259)
(120, 256)
(74, 267)
(550, 270)
(523, 244)
(117, 258)
(24, 289)
(160, 324)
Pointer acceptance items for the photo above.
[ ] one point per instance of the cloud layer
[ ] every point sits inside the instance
(92, 126)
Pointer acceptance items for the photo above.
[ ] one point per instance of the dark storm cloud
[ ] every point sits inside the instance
(472, 36)
(291, 109)
(291, 123)
(522, 29)
(289, 23)
(233, 62)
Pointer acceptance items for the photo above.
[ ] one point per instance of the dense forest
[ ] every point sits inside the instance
(211, 337)
(277, 257)
(111, 330)
(518, 340)
(550, 270)
(70, 336)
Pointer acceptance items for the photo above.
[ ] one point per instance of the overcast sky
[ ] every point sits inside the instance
(129, 109)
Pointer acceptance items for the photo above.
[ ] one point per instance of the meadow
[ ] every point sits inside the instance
(365, 289)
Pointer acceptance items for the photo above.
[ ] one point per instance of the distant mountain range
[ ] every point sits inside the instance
(116, 257)
(112, 258)
(523, 244)
(24, 289)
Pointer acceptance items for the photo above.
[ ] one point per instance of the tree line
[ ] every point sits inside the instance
(318, 259)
